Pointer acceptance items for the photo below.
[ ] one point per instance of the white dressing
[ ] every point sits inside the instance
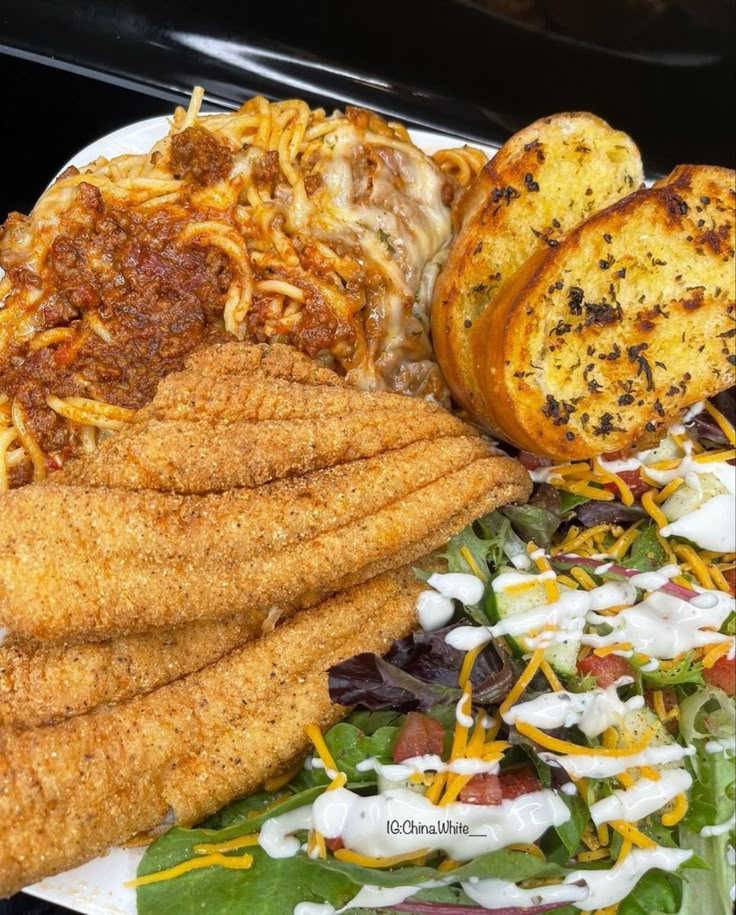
(721, 745)
(275, 836)
(502, 894)
(400, 821)
(593, 711)
(372, 897)
(719, 829)
(664, 626)
(463, 587)
(597, 766)
(607, 887)
(465, 638)
(434, 610)
(644, 797)
(461, 716)
(418, 765)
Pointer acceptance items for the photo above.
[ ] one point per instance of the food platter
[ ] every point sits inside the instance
(335, 471)
(97, 888)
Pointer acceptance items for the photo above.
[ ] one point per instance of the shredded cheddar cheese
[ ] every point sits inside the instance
(609, 649)
(679, 809)
(605, 476)
(724, 424)
(630, 832)
(315, 735)
(523, 681)
(278, 781)
(582, 578)
(533, 850)
(697, 566)
(714, 653)
(550, 675)
(573, 749)
(597, 855)
(619, 549)
(650, 507)
(467, 665)
(670, 488)
(244, 862)
(206, 848)
(468, 557)
(353, 857)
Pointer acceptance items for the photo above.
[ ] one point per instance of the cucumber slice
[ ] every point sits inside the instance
(638, 721)
(562, 656)
(686, 498)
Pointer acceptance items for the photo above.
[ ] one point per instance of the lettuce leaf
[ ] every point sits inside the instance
(273, 886)
(419, 672)
(646, 553)
(656, 893)
(709, 714)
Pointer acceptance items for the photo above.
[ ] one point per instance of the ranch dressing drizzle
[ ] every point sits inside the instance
(719, 829)
(593, 711)
(664, 626)
(434, 610)
(502, 894)
(608, 887)
(369, 897)
(596, 766)
(644, 797)
(459, 585)
(275, 836)
(418, 765)
(363, 823)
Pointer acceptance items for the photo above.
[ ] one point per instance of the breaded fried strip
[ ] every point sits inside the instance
(75, 560)
(216, 455)
(70, 791)
(242, 415)
(42, 683)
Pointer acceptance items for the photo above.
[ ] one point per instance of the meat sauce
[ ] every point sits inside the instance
(137, 301)
(151, 300)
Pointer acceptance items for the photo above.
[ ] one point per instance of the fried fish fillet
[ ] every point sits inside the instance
(42, 683)
(82, 561)
(71, 790)
(246, 415)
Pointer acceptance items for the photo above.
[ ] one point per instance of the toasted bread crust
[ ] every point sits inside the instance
(600, 343)
(545, 180)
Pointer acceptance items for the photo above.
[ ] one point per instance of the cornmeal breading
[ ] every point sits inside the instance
(70, 791)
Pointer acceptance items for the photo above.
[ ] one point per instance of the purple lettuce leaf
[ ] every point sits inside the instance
(419, 672)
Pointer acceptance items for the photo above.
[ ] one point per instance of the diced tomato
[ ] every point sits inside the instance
(722, 674)
(418, 736)
(669, 700)
(484, 788)
(334, 844)
(730, 577)
(515, 782)
(633, 480)
(619, 455)
(533, 461)
(606, 670)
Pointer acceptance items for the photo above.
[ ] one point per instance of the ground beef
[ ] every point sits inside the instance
(197, 155)
(125, 272)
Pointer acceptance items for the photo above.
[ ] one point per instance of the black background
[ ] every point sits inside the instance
(438, 63)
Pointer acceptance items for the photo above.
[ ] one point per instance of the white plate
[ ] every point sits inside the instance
(98, 888)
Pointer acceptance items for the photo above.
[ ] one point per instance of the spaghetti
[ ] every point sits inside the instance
(273, 223)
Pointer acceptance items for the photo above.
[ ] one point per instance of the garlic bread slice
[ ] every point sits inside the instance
(603, 341)
(542, 182)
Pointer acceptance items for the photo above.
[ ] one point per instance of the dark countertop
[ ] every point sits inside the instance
(483, 78)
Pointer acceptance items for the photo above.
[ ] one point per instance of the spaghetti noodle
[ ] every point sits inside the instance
(274, 223)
